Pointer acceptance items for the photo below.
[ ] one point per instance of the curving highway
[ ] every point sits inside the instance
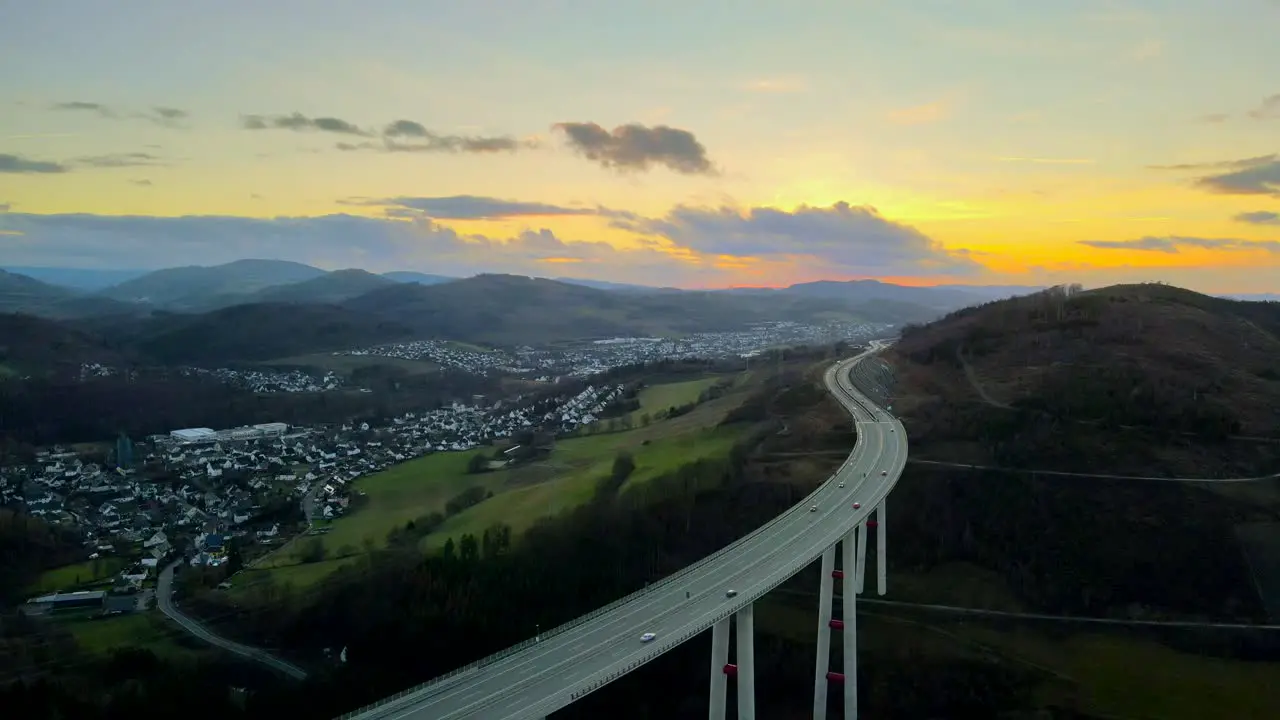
(539, 677)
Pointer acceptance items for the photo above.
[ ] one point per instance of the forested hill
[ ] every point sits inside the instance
(1150, 356)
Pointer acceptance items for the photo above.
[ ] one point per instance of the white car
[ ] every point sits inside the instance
(813, 508)
(841, 485)
(647, 637)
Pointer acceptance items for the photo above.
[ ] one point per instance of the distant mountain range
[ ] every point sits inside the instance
(69, 292)
(265, 309)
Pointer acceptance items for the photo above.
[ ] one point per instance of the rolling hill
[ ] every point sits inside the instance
(1141, 378)
(34, 345)
(22, 294)
(512, 310)
(409, 276)
(255, 332)
(333, 287)
(938, 297)
(201, 288)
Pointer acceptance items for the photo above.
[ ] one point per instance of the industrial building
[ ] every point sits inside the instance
(188, 436)
(63, 601)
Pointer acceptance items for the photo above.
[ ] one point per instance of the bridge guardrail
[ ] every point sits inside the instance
(441, 682)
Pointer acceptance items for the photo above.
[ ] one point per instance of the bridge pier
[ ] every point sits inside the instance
(744, 670)
(882, 549)
(719, 665)
(849, 641)
(850, 576)
(746, 657)
(823, 664)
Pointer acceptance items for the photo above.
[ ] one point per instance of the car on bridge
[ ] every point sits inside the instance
(884, 472)
(857, 505)
(813, 508)
(730, 593)
(841, 485)
(647, 637)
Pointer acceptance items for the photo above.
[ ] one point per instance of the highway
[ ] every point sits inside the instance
(539, 677)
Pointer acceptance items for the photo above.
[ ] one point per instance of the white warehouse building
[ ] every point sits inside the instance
(248, 432)
(193, 435)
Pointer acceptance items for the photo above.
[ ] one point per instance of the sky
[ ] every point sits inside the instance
(699, 143)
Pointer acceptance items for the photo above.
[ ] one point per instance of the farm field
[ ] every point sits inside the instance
(524, 494)
(146, 630)
(69, 577)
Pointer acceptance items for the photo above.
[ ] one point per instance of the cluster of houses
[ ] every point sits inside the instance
(266, 381)
(193, 489)
(258, 381)
(603, 355)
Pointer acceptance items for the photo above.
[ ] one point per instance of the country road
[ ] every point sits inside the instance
(164, 601)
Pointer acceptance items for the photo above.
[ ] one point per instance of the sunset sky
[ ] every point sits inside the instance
(699, 143)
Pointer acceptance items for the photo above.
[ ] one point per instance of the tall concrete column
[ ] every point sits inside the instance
(861, 575)
(824, 634)
(849, 641)
(719, 658)
(746, 658)
(882, 549)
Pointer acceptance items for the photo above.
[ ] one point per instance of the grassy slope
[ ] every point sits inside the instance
(148, 631)
(69, 577)
(524, 494)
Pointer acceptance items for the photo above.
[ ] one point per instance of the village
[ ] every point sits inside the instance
(184, 496)
(190, 495)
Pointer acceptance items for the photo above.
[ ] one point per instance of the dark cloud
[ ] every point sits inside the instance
(332, 241)
(141, 182)
(1261, 217)
(430, 142)
(116, 160)
(1262, 178)
(636, 147)
(848, 239)
(467, 207)
(1268, 109)
(298, 122)
(406, 128)
(1173, 244)
(4, 207)
(160, 115)
(1214, 118)
(81, 106)
(399, 136)
(16, 164)
(1219, 164)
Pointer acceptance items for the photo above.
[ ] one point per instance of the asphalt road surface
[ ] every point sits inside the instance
(164, 601)
(567, 664)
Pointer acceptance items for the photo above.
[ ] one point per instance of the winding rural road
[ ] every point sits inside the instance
(164, 601)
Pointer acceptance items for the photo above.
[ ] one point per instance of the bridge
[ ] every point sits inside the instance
(552, 670)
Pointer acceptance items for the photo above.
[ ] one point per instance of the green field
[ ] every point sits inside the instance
(147, 630)
(661, 397)
(524, 494)
(69, 577)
